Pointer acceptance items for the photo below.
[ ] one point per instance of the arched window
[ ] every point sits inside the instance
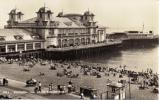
(64, 43)
(88, 40)
(77, 41)
(83, 41)
(71, 42)
(59, 43)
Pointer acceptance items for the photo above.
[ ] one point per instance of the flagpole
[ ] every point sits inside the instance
(143, 26)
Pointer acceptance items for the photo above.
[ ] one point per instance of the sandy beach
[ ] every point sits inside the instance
(14, 71)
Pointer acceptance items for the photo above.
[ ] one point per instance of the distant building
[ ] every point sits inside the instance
(47, 30)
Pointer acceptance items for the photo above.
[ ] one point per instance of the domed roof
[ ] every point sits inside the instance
(72, 14)
(15, 11)
(44, 9)
(88, 13)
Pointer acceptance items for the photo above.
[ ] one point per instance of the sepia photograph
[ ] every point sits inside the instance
(79, 49)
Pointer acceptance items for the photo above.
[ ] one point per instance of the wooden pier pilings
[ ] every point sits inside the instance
(80, 53)
(69, 53)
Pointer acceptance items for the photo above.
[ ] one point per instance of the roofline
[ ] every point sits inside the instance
(43, 27)
(65, 15)
(21, 41)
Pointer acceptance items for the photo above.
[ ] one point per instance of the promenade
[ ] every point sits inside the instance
(17, 89)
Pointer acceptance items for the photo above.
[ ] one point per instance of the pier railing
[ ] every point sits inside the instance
(142, 37)
(108, 43)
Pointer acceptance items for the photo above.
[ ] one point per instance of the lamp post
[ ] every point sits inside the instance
(129, 88)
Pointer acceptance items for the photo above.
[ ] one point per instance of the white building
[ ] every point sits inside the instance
(47, 30)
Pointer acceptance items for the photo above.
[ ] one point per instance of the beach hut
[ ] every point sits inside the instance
(115, 91)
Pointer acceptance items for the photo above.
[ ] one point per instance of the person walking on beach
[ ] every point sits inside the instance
(51, 87)
(5, 81)
(39, 86)
(36, 89)
(82, 95)
(69, 88)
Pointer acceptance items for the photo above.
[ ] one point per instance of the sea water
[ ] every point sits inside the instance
(135, 58)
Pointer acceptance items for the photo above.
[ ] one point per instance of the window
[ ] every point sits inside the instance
(35, 37)
(113, 90)
(18, 37)
(29, 46)
(11, 48)
(59, 35)
(2, 49)
(51, 32)
(68, 23)
(2, 38)
(40, 15)
(59, 42)
(19, 16)
(70, 34)
(20, 47)
(76, 34)
(44, 23)
(57, 23)
(94, 30)
(92, 18)
(48, 16)
(100, 31)
(37, 45)
(37, 22)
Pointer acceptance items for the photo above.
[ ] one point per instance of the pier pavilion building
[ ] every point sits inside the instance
(47, 30)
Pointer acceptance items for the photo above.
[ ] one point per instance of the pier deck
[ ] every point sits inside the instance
(89, 46)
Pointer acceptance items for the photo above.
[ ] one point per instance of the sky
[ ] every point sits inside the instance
(114, 14)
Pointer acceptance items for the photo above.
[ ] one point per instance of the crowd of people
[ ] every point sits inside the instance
(145, 78)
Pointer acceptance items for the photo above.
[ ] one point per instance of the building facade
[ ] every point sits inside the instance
(47, 30)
